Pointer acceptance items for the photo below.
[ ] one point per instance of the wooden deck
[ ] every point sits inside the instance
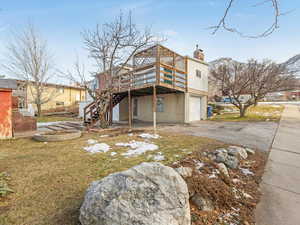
(155, 66)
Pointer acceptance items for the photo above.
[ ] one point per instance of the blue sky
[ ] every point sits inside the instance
(184, 23)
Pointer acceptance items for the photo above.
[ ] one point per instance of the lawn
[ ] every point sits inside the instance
(44, 119)
(254, 113)
(49, 179)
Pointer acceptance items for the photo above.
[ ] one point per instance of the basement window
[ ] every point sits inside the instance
(160, 104)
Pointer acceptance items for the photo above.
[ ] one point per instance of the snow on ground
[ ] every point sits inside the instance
(149, 136)
(137, 147)
(99, 147)
(159, 157)
(92, 141)
(246, 171)
(113, 153)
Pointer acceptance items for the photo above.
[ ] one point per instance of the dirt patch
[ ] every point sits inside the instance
(234, 198)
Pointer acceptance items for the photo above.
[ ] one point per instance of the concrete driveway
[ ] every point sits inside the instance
(257, 135)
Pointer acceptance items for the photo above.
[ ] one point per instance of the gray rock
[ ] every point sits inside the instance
(232, 162)
(250, 151)
(149, 193)
(184, 171)
(202, 203)
(236, 150)
(221, 157)
(223, 169)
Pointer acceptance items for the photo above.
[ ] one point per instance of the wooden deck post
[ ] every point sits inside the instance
(154, 108)
(129, 110)
(110, 110)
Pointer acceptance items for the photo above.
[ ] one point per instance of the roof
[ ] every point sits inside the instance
(47, 84)
(8, 84)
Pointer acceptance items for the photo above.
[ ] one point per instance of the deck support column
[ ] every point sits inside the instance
(129, 110)
(154, 108)
(110, 110)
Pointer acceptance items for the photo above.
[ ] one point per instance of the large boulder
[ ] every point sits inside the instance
(147, 194)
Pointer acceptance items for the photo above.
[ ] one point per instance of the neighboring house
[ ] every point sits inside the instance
(59, 95)
(180, 84)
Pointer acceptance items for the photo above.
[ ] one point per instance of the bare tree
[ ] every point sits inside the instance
(222, 24)
(253, 79)
(28, 58)
(112, 46)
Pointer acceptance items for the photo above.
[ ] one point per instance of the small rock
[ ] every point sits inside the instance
(250, 151)
(246, 195)
(184, 171)
(221, 157)
(232, 162)
(223, 169)
(204, 204)
(235, 151)
(235, 180)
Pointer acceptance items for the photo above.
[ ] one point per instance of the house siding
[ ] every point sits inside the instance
(173, 105)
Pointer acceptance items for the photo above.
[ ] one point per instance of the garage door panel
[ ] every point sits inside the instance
(195, 108)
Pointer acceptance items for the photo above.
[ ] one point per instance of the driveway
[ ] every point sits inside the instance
(257, 135)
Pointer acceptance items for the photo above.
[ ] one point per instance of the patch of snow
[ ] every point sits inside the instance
(100, 147)
(159, 157)
(246, 171)
(212, 176)
(92, 141)
(104, 135)
(149, 136)
(137, 147)
(130, 135)
(113, 153)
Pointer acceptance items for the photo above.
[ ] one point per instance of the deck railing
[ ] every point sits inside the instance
(158, 74)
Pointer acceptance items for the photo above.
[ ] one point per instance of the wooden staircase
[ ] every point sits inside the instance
(91, 111)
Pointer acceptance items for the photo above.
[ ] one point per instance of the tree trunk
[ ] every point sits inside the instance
(39, 110)
(243, 111)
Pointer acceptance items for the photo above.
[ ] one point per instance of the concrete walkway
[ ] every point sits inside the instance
(280, 203)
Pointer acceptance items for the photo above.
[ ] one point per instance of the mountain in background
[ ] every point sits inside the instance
(293, 63)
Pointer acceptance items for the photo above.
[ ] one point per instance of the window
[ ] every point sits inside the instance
(198, 73)
(160, 104)
(135, 107)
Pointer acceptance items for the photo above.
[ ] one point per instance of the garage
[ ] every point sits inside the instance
(194, 108)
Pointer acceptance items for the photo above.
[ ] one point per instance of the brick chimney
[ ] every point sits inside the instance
(198, 54)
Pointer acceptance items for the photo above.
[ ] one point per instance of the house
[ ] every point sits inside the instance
(161, 86)
(59, 95)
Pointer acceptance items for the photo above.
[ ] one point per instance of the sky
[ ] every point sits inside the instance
(183, 22)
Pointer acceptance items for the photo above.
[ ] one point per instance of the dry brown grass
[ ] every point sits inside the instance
(50, 179)
(254, 114)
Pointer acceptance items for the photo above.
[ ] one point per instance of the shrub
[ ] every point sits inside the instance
(4, 189)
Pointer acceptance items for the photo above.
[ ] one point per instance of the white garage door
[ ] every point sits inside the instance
(195, 108)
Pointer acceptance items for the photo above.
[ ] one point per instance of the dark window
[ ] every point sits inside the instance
(198, 73)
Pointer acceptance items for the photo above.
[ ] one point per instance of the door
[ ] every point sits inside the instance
(195, 109)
